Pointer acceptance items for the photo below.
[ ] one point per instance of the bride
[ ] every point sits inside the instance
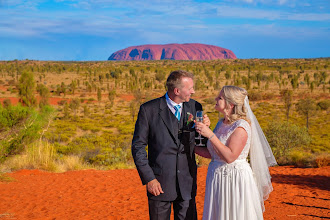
(233, 189)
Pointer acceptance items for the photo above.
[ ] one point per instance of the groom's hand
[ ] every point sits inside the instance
(154, 187)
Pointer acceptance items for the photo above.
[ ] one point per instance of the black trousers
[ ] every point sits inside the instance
(183, 209)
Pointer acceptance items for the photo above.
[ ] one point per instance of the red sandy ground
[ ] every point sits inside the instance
(118, 194)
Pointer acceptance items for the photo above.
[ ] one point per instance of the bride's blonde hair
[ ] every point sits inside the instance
(235, 95)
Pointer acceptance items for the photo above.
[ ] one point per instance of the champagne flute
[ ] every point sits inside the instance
(199, 118)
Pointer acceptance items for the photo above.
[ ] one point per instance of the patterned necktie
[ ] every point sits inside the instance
(177, 112)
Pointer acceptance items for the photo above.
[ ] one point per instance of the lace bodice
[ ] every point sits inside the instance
(223, 132)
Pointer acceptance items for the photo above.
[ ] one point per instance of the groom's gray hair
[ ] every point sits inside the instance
(174, 79)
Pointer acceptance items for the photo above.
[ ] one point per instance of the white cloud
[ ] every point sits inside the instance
(160, 19)
(235, 12)
(282, 2)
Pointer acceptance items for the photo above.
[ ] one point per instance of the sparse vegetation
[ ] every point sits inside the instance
(97, 104)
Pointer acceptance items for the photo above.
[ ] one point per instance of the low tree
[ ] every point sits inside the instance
(228, 74)
(73, 86)
(26, 87)
(138, 97)
(44, 95)
(99, 94)
(307, 79)
(287, 98)
(63, 88)
(74, 105)
(86, 111)
(295, 82)
(133, 108)
(66, 112)
(324, 104)
(6, 103)
(306, 107)
(311, 86)
(111, 96)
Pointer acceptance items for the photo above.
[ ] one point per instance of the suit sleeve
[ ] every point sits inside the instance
(139, 144)
(198, 106)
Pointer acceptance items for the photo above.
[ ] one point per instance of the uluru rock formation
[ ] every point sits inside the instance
(192, 51)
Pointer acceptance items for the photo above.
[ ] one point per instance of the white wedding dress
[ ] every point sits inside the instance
(231, 192)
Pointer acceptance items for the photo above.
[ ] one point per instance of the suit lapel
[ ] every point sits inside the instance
(186, 108)
(164, 113)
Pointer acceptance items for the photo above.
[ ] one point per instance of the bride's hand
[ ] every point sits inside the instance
(206, 120)
(203, 129)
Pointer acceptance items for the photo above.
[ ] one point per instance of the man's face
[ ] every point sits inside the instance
(186, 89)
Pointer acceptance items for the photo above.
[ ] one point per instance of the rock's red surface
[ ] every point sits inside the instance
(173, 52)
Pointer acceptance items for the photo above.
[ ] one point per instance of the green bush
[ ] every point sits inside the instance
(113, 155)
(255, 95)
(283, 137)
(301, 158)
(13, 115)
(324, 104)
(23, 126)
(61, 131)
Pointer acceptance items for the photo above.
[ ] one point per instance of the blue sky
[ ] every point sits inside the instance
(94, 29)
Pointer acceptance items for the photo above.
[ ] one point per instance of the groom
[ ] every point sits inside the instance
(169, 168)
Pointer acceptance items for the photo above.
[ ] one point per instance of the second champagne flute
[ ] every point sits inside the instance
(199, 118)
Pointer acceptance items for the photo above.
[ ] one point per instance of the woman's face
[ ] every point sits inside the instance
(220, 104)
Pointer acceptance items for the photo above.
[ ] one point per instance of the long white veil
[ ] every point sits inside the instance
(261, 156)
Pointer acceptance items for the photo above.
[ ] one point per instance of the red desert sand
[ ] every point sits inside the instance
(299, 193)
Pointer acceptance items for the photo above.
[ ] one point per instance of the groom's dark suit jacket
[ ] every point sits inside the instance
(171, 158)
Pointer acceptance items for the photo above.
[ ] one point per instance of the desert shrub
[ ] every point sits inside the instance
(43, 155)
(265, 106)
(209, 101)
(88, 126)
(95, 129)
(73, 162)
(320, 144)
(84, 144)
(5, 178)
(22, 126)
(13, 115)
(160, 75)
(11, 82)
(61, 131)
(324, 104)
(26, 87)
(126, 128)
(268, 95)
(301, 158)
(40, 155)
(322, 160)
(254, 95)
(62, 102)
(118, 154)
(283, 137)
(6, 103)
